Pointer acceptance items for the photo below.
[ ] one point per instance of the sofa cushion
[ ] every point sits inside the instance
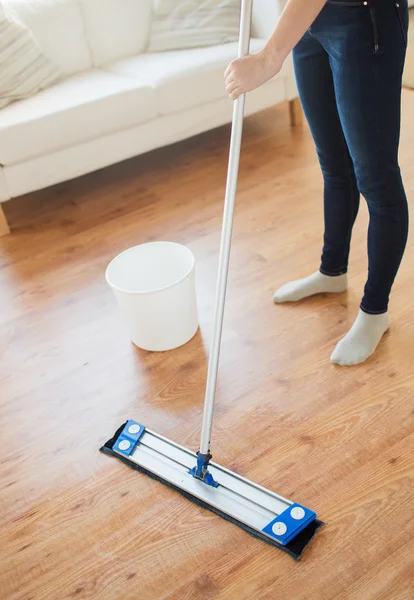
(193, 24)
(58, 27)
(265, 15)
(82, 108)
(116, 28)
(24, 68)
(182, 79)
(74, 161)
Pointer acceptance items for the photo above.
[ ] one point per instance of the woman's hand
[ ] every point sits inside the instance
(249, 72)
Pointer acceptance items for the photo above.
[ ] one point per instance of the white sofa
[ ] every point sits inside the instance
(116, 100)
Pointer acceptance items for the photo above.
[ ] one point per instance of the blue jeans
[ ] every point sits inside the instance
(348, 69)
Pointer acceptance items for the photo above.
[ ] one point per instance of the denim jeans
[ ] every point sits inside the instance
(348, 69)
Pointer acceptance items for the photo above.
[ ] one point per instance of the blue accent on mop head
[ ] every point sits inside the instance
(289, 523)
(129, 437)
(200, 471)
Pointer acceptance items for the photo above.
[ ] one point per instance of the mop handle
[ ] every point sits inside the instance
(224, 257)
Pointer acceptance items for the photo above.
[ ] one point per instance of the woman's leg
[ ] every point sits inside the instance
(341, 196)
(366, 46)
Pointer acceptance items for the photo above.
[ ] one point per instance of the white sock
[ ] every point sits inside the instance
(361, 340)
(317, 283)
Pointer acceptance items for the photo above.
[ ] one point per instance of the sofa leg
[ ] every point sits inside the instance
(296, 112)
(4, 226)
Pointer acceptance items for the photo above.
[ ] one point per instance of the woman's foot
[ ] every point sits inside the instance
(317, 283)
(361, 340)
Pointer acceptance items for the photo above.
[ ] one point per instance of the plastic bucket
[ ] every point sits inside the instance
(154, 285)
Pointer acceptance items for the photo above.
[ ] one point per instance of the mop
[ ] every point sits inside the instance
(262, 513)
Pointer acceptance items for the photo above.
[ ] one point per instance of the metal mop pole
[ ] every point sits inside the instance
(224, 257)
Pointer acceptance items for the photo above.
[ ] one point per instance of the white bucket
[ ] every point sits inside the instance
(154, 285)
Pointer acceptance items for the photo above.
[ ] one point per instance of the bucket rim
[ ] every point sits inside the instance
(155, 290)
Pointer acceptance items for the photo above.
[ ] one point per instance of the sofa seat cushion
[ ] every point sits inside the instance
(81, 108)
(182, 79)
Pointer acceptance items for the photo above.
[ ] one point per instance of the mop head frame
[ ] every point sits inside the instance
(260, 512)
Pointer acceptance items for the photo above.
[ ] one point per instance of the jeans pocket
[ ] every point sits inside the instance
(367, 5)
(374, 26)
(403, 29)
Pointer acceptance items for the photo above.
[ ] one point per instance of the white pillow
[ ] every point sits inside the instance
(24, 70)
(178, 24)
(116, 29)
(58, 28)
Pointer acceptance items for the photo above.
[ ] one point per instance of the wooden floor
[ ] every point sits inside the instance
(78, 524)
